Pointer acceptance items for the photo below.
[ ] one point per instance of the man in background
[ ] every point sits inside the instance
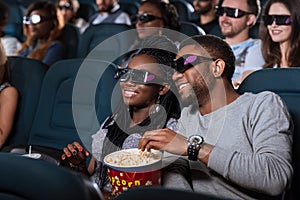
(109, 11)
(206, 16)
(236, 17)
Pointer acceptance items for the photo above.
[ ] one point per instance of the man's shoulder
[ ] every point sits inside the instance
(265, 97)
(251, 43)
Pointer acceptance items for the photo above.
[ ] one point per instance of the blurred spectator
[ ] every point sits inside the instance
(10, 44)
(235, 19)
(109, 11)
(8, 99)
(43, 32)
(68, 10)
(153, 16)
(208, 19)
(280, 33)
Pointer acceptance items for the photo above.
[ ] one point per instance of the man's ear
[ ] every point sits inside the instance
(251, 20)
(218, 68)
(163, 89)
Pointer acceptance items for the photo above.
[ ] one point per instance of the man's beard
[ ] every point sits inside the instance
(204, 10)
(108, 9)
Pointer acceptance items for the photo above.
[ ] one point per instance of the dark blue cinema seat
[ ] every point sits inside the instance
(26, 178)
(27, 76)
(184, 8)
(284, 82)
(70, 38)
(72, 101)
(14, 26)
(87, 10)
(130, 7)
(115, 44)
(155, 192)
(190, 29)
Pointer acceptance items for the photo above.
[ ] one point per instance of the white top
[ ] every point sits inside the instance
(10, 44)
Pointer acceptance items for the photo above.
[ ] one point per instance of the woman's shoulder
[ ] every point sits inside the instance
(4, 85)
(8, 90)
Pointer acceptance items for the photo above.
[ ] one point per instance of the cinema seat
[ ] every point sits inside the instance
(26, 178)
(27, 76)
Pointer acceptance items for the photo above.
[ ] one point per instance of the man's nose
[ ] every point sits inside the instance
(176, 75)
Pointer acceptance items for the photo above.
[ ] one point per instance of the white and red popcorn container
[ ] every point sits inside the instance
(124, 177)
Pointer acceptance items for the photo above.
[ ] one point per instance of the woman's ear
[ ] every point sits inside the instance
(163, 89)
(218, 68)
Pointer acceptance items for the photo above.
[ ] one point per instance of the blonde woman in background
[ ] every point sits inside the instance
(8, 99)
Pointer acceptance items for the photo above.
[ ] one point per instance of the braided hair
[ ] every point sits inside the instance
(118, 123)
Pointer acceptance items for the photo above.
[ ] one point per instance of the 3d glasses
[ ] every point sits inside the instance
(35, 19)
(231, 12)
(279, 19)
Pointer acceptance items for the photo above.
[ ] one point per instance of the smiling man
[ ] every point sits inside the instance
(236, 17)
(232, 146)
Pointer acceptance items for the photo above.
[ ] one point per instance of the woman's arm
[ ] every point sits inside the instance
(8, 106)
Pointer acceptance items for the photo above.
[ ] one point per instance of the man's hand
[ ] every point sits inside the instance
(164, 139)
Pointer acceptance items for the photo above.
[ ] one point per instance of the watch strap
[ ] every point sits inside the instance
(193, 152)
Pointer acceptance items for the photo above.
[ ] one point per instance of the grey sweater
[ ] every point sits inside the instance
(252, 154)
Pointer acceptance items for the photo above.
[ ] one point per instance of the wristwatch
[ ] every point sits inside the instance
(194, 145)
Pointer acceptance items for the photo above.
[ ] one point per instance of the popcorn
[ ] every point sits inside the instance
(129, 158)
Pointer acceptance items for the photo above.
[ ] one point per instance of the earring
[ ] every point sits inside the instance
(157, 105)
(156, 109)
(158, 100)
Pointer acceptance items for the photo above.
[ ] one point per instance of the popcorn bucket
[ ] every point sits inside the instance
(132, 168)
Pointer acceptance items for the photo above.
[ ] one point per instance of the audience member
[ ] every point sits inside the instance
(109, 11)
(68, 10)
(43, 32)
(155, 13)
(148, 104)
(10, 44)
(8, 99)
(208, 19)
(242, 148)
(235, 19)
(280, 33)
(155, 16)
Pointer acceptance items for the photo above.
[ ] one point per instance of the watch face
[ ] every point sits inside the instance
(196, 139)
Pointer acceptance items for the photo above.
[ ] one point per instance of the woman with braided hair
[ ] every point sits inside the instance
(148, 103)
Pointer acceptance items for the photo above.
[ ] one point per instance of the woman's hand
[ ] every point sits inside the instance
(164, 139)
(75, 155)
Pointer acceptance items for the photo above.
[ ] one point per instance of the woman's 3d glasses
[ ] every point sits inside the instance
(66, 6)
(187, 61)
(231, 12)
(35, 19)
(138, 76)
(279, 19)
(144, 18)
